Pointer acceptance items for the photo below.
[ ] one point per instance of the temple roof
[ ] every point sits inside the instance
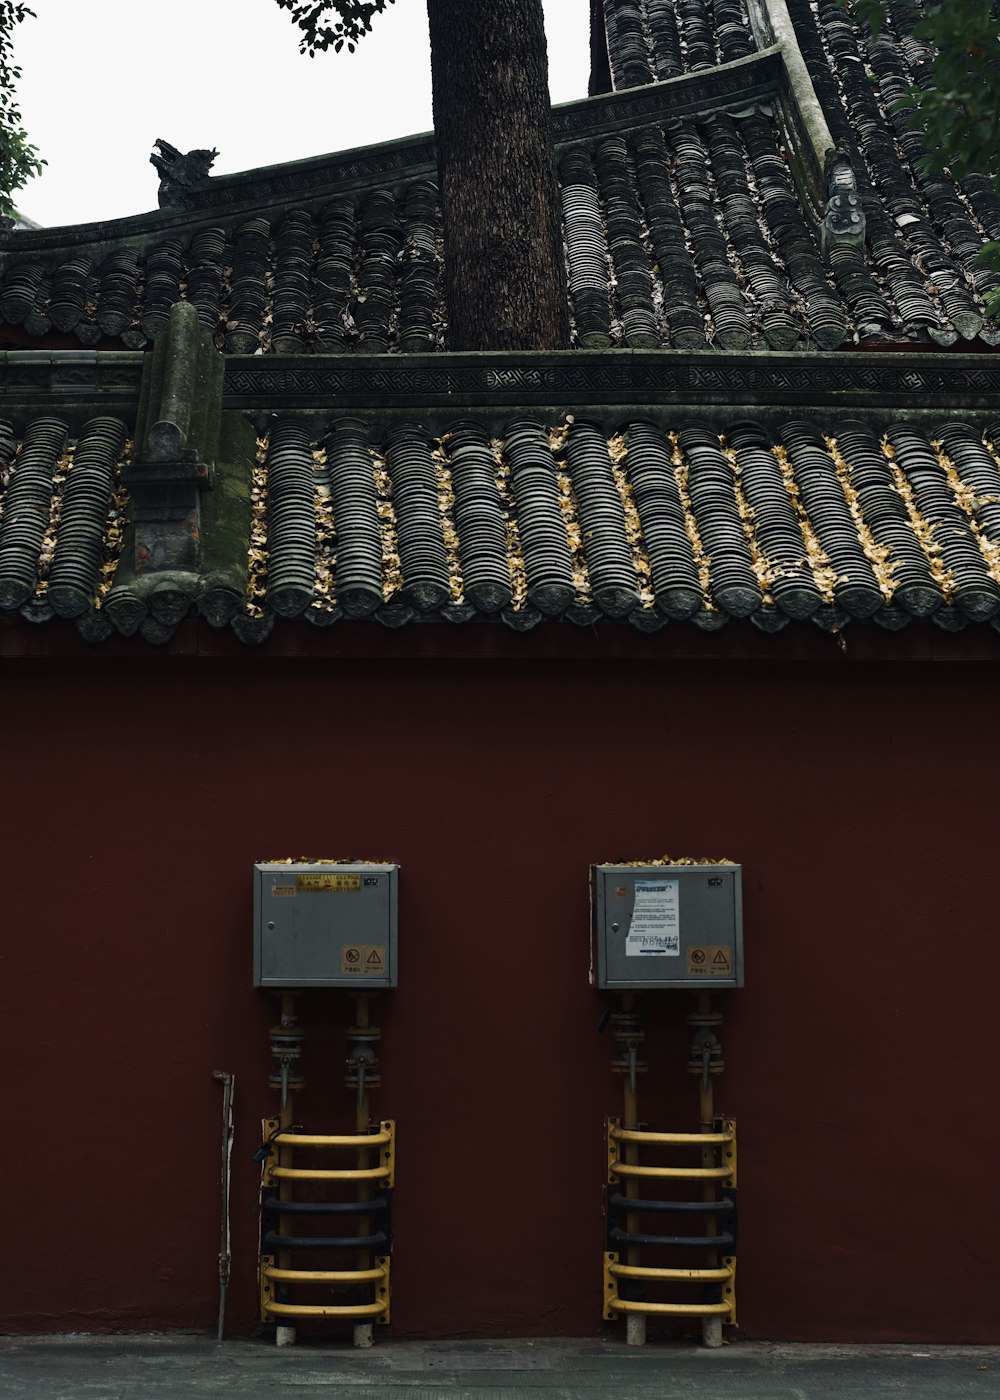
(658, 518)
(700, 209)
(923, 229)
(744, 218)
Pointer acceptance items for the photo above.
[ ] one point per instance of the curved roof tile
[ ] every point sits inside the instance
(711, 523)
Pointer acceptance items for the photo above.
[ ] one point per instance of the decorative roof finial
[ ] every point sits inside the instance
(180, 174)
(844, 223)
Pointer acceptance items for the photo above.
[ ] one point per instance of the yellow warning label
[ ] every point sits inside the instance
(710, 960)
(329, 883)
(363, 959)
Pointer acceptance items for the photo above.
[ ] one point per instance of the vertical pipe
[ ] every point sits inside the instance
(284, 1336)
(363, 1331)
(228, 1082)
(711, 1327)
(635, 1323)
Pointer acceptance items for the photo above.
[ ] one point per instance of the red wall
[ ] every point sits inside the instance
(861, 1056)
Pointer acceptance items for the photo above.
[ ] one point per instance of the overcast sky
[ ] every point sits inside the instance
(103, 79)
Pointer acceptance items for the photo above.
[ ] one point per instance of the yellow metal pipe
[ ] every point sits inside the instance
(321, 1310)
(627, 1169)
(677, 1275)
(627, 1305)
(362, 1140)
(346, 1174)
(671, 1139)
(325, 1275)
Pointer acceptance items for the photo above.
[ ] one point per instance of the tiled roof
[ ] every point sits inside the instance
(651, 40)
(924, 230)
(62, 515)
(697, 522)
(858, 489)
(687, 234)
(687, 218)
(340, 273)
(707, 242)
(925, 220)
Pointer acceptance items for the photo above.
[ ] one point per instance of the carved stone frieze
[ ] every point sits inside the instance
(654, 378)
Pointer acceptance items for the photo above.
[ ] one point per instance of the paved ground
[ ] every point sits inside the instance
(160, 1368)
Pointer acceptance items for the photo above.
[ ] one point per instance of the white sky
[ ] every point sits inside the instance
(103, 79)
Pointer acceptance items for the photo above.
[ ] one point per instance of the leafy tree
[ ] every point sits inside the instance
(956, 103)
(504, 269)
(19, 160)
(318, 33)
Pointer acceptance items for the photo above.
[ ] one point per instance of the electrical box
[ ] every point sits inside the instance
(667, 926)
(325, 925)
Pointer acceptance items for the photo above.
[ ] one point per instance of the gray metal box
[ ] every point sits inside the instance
(667, 926)
(324, 925)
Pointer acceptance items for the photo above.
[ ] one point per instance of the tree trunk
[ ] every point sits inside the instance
(504, 269)
(600, 63)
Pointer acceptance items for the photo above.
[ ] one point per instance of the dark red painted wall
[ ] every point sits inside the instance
(861, 1056)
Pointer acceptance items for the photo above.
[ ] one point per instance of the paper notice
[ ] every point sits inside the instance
(655, 927)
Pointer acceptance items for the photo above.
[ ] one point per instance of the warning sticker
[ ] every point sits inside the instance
(710, 960)
(328, 884)
(282, 891)
(363, 959)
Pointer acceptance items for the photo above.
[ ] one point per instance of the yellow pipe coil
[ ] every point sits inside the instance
(347, 1174)
(321, 1310)
(671, 1139)
(680, 1275)
(680, 1309)
(325, 1275)
(684, 1173)
(311, 1140)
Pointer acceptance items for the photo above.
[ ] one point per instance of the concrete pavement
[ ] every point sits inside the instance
(164, 1367)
